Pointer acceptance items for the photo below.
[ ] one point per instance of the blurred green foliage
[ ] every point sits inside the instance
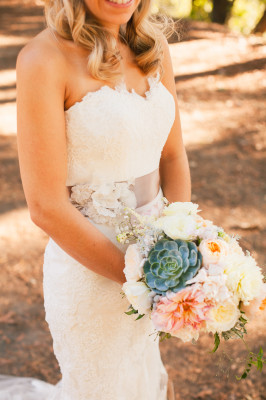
(174, 8)
(244, 15)
(201, 9)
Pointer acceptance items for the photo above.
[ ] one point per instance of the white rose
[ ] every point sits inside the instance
(234, 247)
(139, 295)
(213, 251)
(223, 316)
(177, 226)
(183, 208)
(133, 263)
(244, 277)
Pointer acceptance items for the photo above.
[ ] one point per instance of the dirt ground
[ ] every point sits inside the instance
(221, 89)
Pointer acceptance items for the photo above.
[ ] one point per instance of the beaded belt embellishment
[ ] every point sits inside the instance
(105, 202)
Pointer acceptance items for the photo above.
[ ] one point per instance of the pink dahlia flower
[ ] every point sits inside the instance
(185, 308)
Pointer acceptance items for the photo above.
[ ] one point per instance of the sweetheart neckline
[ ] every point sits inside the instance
(121, 88)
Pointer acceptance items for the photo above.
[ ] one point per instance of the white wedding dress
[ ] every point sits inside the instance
(114, 141)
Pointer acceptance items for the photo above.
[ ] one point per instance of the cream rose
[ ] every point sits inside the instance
(133, 263)
(244, 277)
(183, 208)
(223, 316)
(139, 295)
(213, 251)
(256, 305)
(178, 226)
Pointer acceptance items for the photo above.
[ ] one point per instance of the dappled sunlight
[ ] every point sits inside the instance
(8, 122)
(8, 118)
(220, 83)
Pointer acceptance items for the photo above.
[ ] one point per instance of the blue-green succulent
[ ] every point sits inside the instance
(170, 264)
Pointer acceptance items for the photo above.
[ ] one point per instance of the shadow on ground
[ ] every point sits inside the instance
(223, 122)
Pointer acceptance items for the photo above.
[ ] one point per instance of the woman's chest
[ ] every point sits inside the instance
(113, 119)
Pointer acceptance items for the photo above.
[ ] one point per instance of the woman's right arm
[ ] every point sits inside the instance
(43, 162)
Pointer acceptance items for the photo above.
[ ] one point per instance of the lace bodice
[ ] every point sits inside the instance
(114, 134)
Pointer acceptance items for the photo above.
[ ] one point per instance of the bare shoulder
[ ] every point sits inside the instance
(167, 62)
(41, 58)
(168, 78)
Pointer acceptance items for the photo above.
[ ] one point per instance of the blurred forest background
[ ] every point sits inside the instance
(243, 16)
(219, 66)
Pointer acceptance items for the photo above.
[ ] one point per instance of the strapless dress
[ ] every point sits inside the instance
(114, 142)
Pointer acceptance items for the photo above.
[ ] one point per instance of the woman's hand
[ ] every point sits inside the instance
(174, 167)
(41, 86)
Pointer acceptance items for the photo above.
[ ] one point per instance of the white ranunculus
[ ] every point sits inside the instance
(178, 226)
(181, 208)
(244, 277)
(213, 251)
(223, 316)
(139, 295)
(133, 264)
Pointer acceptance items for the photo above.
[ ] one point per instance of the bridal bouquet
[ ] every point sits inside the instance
(190, 276)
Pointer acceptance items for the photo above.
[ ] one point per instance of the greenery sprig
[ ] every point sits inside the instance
(133, 311)
(238, 332)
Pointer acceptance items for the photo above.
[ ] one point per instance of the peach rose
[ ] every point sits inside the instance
(256, 305)
(213, 251)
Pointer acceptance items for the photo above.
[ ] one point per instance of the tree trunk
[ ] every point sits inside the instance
(261, 25)
(221, 10)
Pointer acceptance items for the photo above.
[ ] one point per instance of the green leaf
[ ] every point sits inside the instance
(243, 376)
(253, 359)
(259, 365)
(216, 342)
(243, 320)
(140, 316)
(260, 354)
(164, 335)
(131, 311)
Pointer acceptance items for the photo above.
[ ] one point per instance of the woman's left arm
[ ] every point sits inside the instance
(174, 167)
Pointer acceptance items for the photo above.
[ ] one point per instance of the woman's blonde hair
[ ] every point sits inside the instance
(143, 34)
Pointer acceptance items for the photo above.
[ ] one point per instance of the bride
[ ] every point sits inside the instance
(98, 129)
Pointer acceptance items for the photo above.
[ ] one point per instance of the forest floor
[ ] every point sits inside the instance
(221, 89)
